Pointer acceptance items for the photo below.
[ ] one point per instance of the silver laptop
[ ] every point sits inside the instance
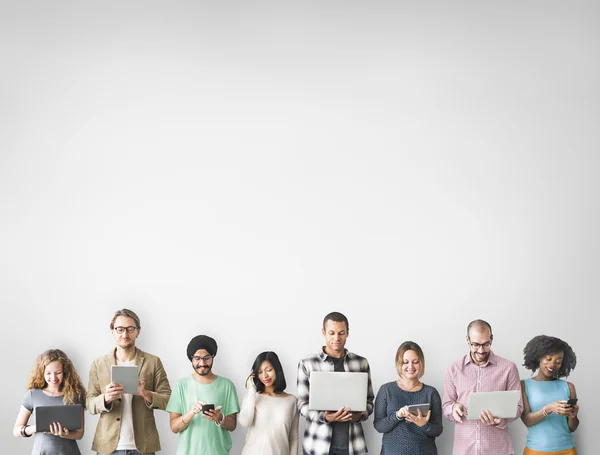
(330, 391)
(501, 404)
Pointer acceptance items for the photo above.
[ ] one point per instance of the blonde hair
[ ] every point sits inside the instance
(71, 386)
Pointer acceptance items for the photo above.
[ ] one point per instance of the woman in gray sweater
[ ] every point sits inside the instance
(405, 433)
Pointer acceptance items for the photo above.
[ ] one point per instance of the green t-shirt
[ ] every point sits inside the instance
(203, 437)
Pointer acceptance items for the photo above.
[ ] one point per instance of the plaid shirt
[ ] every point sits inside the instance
(317, 435)
(463, 377)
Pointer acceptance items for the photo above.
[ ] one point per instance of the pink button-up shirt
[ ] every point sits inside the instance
(472, 437)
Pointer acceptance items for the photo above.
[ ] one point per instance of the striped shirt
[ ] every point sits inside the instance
(317, 434)
(471, 437)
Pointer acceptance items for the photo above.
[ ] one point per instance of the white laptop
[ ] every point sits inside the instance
(330, 391)
(501, 404)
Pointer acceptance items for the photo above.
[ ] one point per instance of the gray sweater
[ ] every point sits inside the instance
(401, 437)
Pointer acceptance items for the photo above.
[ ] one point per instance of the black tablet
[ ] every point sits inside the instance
(69, 416)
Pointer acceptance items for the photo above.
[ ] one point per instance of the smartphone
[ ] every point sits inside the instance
(572, 401)
(207, 407)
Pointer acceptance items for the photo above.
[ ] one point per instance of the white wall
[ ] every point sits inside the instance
(241, 171)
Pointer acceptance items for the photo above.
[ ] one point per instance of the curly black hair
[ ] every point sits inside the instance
(542, 345)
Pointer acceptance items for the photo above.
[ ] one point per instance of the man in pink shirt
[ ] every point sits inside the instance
(479, 371)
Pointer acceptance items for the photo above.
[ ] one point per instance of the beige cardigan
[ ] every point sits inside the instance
(109, 424)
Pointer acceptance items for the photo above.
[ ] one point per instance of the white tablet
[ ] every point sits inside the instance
(330, 391)
(414, 408)
(125, 375)
(501, 404)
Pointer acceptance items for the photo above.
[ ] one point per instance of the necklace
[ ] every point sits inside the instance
(406, 388)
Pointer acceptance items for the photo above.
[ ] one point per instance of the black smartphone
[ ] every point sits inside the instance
(207, 407)
(572, 401)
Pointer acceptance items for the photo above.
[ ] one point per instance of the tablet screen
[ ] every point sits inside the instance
(414, 408)
(127, 376)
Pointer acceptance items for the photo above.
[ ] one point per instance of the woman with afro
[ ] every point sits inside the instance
(547, 413)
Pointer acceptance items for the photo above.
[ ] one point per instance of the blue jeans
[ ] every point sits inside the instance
(127, 452)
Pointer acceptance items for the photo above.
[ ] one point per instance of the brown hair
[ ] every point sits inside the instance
(409, 346)
(71, 386)
(128, 314)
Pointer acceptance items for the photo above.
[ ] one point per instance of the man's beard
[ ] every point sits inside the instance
(486, 357)
(203, 370)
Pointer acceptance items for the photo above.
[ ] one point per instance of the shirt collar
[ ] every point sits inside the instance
(324, 356)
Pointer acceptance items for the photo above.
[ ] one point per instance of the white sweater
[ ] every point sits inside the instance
(272, 424)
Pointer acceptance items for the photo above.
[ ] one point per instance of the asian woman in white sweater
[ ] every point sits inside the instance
(270, 414)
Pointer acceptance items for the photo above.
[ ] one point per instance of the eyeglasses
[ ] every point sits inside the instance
(129, 329)
(485, 345)
(205, 359)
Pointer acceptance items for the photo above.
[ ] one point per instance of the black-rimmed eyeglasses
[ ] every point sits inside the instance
(130, 329)
(205, 359)
(485, 345)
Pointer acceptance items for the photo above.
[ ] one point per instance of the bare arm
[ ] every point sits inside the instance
(230, 422)
(558, 407)
(572, 419)
(22, 419)
(179, 422)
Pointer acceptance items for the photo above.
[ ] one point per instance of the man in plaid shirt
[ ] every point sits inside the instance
(333, 432)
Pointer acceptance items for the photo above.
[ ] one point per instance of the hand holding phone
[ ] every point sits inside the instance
(207, 407)
(572, 401)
